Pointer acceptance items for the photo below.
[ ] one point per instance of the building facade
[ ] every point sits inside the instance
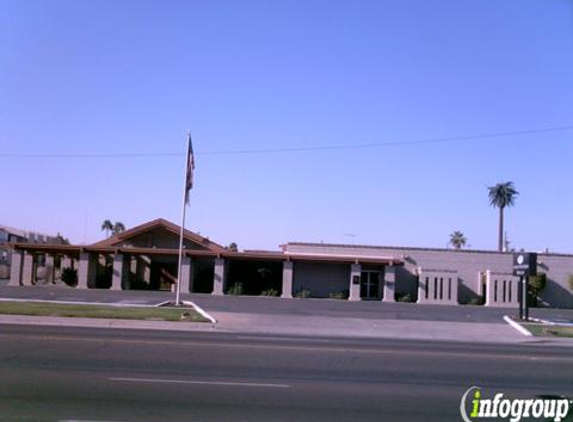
(11, 235)
(146, 257)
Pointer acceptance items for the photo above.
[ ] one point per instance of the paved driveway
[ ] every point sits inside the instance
(276, 306)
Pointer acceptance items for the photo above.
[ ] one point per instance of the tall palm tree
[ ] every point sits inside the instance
(502, 195)
(107, 225)
(458, 240)
(118, 227)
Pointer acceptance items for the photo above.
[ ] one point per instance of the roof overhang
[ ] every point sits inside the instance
(252, 256)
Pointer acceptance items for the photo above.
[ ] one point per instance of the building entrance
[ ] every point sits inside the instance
(370, 285)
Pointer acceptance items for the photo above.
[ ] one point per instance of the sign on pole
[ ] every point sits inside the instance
(525, 264)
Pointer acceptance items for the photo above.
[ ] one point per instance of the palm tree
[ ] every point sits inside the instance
(458, 240)
(502, 195)
(118, 227)
(107, 225)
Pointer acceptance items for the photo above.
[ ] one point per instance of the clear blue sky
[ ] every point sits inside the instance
(95, 77)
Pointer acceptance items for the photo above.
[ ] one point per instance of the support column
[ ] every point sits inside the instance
(66, 262)
(389, 283)
(28, 269)
(119, 263)
(49, 270)
(354, 289)
(219, 278)
(87, 270)
(143, 269)
(287, 279)
(424, 285)
(489, 290)
(16, 268)
(186, 278)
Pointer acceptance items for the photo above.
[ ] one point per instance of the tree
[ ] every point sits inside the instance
(233, 247)
(458, 240)
(118, 227)
(501, 196)
(107, 226)
(536, 284)
(61, 239)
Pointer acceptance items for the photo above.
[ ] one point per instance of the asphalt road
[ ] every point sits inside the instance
(277, 306)
(69, 374)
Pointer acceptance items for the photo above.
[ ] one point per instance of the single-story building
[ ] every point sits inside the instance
(10, 235)
(146, 257)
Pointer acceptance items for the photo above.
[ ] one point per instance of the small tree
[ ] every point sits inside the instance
(233, 247)
(536, 284)
(62, 240)
(107, 226)
(118, 227)
(458, 240)
(70, 276)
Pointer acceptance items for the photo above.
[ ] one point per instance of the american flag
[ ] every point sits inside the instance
(190, 168)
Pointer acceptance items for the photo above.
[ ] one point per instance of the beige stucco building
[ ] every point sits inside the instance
(145, 257)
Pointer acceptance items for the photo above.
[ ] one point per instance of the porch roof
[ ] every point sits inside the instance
(259, 256)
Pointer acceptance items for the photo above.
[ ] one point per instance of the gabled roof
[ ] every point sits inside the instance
(159, 223)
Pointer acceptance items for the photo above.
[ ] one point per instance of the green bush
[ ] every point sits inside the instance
(270, 292)
(302, 294)
(339, 295)
(236, 289)
(535, 285)
(138, 284)
(404, 297)
(70, 276)
(476, 301)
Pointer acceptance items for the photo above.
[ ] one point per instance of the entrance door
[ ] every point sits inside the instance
(369, 284)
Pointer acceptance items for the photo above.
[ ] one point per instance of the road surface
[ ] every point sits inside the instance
(79, 374)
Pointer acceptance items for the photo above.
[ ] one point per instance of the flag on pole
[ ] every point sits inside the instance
(190, 168)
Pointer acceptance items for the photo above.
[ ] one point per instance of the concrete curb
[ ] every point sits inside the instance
(517, 326)
(69, 302)
(105, 323)
(200, 310)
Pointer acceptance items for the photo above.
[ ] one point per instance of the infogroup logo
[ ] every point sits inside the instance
(514, 410)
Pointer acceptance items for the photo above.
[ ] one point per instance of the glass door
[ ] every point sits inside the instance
(370, 285)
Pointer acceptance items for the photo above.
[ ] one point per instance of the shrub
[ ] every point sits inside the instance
(476, 301)
(404, 297)
(535, 285)
(302, 294)
(270, 292)
(138, 284)
(70, 276)
(339, 295)
(236, 289)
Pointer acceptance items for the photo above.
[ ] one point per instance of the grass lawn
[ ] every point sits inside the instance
(543, 330)
(100, 311)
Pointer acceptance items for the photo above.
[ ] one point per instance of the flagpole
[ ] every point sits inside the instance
(183, 208)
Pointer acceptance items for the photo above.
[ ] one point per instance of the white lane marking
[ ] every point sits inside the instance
(221, 383)
(305, 339)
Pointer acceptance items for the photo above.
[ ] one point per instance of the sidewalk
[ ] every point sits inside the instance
(367, 328)
(287, 317)
(304, 326)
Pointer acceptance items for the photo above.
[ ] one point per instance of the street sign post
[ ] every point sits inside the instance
(524, 266)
